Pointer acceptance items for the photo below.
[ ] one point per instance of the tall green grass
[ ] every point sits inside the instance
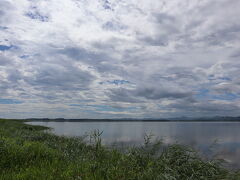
(28, 153)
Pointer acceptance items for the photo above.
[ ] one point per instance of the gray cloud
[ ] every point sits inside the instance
(4, 60)
(58, 77)
(209, 107)
(178, 57)
(236, 54)
(154, 93)
(5, 11)
(122, 95)
(148, 93)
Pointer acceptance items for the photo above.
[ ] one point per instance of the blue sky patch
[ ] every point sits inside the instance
(205, 94)
(201, 93)
(10, 101)
(106, 5)
(5, 48)
(3, 28)
(24, 56)
(225, 78)
(115, 82)
(212, 78)
(113, 26)
(226, 96)
(105, 107)
(37, 16)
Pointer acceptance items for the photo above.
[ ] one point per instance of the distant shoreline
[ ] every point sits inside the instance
(237, 119)
(184, 119)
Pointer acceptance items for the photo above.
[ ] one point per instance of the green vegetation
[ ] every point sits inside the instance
(28, 153)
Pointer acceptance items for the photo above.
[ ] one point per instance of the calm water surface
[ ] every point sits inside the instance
(221, 139)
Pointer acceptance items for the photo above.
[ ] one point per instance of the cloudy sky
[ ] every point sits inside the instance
(119, 58)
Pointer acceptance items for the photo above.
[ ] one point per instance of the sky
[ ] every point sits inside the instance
(119, 58)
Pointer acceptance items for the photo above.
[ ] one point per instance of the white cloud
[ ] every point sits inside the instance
(171, 52)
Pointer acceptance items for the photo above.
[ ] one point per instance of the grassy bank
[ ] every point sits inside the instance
(27, 152)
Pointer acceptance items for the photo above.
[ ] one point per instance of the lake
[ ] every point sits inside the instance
(219, 139)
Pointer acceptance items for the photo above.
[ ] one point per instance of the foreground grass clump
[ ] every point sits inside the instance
(27, 152)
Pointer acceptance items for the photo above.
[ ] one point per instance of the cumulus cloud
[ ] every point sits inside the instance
(119, 58)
